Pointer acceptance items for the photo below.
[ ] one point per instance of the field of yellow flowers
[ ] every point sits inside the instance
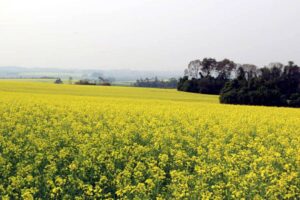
(88, 142)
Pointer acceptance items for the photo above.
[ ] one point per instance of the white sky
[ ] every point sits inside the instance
(146, 34)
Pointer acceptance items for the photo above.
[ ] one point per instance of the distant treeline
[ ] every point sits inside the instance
(274, 85)
(100, 81)
(156, 83)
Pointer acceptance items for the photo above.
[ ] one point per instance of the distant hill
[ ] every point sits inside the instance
(116, 74)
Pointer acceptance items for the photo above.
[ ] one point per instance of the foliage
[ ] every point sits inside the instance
(58, 81)
(100, 81)
(72, 142)
(206, 85)
(207, 76)
(85, 82)
(276, 85)
(156, 83)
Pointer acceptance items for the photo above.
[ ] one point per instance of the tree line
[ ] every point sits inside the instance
(99, 81)
(272, 85)
(156, 83)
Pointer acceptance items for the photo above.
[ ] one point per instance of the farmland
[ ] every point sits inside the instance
(86, 142)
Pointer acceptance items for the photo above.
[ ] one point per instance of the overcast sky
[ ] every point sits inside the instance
(146, 34)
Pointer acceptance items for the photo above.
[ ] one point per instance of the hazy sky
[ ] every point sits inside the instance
(146, 34)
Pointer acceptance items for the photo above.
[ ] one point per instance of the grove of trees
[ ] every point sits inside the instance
(99, 81)
(156, 83)
(276, 85)
(207, 76)
(273, 85)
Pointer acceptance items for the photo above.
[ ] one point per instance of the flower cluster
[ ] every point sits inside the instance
(55, 146)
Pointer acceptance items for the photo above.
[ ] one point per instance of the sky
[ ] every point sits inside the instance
(147, 34)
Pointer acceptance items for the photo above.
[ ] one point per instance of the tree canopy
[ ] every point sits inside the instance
(273, 85)
(207, 76)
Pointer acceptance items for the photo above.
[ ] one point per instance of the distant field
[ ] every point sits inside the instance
(29, 80)
(66, 81)
(103, 91)
(67, 141)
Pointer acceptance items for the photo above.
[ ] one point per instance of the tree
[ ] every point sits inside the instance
(58, 81)
(207, 66)
(250, 71)
(193, 69)
(70, 80)
(207, 76)
(225, 69)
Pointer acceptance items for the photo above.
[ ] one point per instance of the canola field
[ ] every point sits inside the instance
(89, 142)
